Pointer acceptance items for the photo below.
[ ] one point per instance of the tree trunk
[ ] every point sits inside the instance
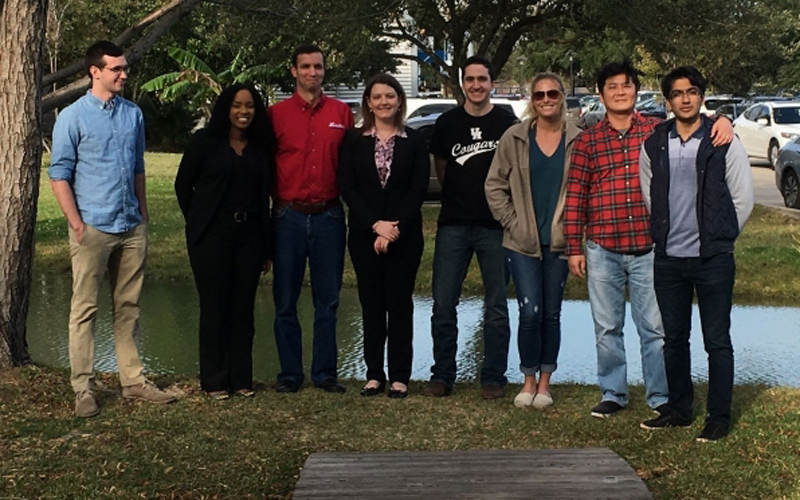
(22, 26)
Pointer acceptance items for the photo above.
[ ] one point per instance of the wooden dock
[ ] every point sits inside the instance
(586, 473)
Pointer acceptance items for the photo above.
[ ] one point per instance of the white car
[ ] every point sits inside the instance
(417, 107)
(764, 128)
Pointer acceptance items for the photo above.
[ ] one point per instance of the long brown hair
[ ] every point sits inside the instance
(369, 118)
(562, 114)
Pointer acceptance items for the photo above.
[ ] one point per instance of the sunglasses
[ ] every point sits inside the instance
(551, 94)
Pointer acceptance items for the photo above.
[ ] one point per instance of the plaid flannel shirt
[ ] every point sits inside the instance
(604, 198)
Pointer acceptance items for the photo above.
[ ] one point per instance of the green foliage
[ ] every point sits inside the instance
(196, 82)
(736, 44)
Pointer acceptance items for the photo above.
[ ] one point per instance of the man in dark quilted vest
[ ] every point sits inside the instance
(699, 197)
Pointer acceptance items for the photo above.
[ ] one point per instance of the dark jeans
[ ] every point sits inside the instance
(539, 284)
(319, 238)
(675, 281)
(226, 264)
(385, 289)
(454, 248)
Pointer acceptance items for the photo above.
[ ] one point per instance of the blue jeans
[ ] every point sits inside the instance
(608, 273)
(539, 284)
(454, 248)
(319, 238)
(676, 280)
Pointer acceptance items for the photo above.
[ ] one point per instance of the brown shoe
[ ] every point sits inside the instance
(85, 405)
(437, 390)
(492, 392)
(147, 391)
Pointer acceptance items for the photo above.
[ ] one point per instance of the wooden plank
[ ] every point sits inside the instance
(587, 473)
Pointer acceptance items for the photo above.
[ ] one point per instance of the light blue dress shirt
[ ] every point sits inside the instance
(98, 148)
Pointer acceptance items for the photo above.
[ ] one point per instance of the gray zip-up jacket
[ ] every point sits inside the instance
(508, 192)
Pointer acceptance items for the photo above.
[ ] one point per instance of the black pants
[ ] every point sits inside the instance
(676, 279)
(385, 289)
(226, 263)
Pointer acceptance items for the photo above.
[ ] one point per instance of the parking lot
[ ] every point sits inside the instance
(764, 187)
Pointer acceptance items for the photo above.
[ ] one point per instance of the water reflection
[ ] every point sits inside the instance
(765, 339)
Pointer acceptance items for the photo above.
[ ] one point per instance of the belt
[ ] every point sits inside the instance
(242, 216)
(308, 208)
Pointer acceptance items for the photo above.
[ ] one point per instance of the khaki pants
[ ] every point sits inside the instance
(123, 255)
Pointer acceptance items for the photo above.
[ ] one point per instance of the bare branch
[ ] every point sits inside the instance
(512, 35)
(404, 35)
(67, 94)
(122, 39)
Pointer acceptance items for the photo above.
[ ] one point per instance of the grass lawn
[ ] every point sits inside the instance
(256, 448)
(767, 254)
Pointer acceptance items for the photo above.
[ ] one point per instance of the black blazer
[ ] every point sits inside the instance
(202, 178)
(405, 190)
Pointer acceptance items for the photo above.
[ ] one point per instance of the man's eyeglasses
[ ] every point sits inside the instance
(119, 69)
(679, 94)
(551, 94)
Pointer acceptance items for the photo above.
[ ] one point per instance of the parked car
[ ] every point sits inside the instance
(644, 95)
(593, 116)
(416, 107)
(587, 101)
(653, 107)
(764, 128)
(787, 173)
(713, 102)
(424, 124)
(573, 108)
(355, 107)
(732, 111)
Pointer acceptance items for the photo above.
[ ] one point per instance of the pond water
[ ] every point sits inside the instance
(766, 339)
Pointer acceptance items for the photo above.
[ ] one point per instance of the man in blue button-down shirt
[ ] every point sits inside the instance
(97, 175)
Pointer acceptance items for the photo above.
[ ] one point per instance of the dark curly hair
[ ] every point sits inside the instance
(259, 133)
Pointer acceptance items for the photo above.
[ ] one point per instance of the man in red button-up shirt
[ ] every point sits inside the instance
(308, 220)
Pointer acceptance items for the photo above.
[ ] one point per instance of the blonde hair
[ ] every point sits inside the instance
(531, 110)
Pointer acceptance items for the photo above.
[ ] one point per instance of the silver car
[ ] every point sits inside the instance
(787, 171)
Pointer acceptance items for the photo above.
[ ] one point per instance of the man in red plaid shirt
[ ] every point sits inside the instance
(604, 202)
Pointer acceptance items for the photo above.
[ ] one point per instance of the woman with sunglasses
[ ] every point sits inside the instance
(525, 188)
(383, 174)
(223, 188)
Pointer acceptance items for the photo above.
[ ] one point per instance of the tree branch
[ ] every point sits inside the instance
(122, 39)
(69, 93)
(404, 35)
(510, 37)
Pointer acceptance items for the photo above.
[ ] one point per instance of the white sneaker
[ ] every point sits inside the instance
(542, 400)
(523, 399)
(147, 391)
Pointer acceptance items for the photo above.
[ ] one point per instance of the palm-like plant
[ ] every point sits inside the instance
(199, 84)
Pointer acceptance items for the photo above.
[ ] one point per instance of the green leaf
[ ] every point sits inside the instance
(160, 82)
(190, 61)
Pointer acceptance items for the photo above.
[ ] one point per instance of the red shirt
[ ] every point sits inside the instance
(604, 197)
(308, 140)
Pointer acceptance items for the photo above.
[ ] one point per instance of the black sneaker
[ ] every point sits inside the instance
(662, 409)
(606, 408)
(666, 419)
(713, 431)
(287, 386)
(331, 385)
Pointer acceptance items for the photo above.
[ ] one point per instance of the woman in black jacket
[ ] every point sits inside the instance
(223, 188)
(383, 175)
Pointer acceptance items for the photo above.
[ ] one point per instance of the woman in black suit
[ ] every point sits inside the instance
(383, 175)
(223, 188)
